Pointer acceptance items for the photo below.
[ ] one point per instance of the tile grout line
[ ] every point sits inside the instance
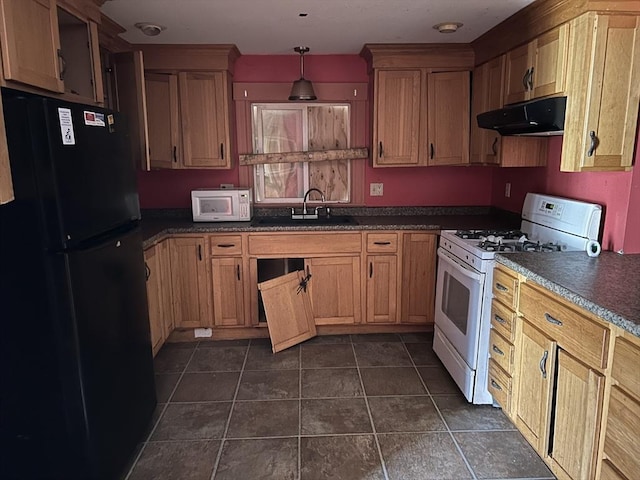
(164, 409)
(373, 426)
(233, 403)
(446, 425)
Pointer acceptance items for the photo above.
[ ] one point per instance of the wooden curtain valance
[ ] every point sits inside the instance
(293, 157)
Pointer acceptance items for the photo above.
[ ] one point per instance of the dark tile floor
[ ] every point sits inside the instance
(352, 407)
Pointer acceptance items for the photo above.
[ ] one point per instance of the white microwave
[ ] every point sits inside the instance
(221, 204)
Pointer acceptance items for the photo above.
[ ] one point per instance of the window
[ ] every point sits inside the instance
(290, 127)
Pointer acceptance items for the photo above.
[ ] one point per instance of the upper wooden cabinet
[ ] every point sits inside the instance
(397, 117)
(421, 118)
(420, 105)
(188, 103)
(30, 43)
(538, 68)
(603, 91)
(488, 147)
(52, 46)
(204, 117)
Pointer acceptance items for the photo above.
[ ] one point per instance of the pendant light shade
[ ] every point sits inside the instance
(302, 88)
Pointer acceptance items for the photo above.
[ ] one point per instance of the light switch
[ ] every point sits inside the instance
(375, 189)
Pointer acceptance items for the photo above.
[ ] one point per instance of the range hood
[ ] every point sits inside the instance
(536, 117)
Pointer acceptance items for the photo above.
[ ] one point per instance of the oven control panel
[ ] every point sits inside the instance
(550, 208)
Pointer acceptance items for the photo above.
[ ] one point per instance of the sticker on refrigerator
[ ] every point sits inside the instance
(66, 126)
(94, 119)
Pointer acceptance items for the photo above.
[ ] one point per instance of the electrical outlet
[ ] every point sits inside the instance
(507, 189)
(375, 189)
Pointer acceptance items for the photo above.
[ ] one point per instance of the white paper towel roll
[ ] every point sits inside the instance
(593, 248)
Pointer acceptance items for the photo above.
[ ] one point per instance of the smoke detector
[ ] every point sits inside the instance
(448, 27)
(150, 29)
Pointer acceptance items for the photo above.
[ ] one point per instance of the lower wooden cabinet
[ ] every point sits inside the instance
(418, 281)
(382, 281)
(534, 371)
(159, 295)
(334, 289)
(190, 282)
(621, 447)
(227, 276)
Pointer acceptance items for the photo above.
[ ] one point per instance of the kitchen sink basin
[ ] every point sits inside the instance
(284, 221)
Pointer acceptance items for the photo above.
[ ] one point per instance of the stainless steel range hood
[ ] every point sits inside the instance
(536, 118)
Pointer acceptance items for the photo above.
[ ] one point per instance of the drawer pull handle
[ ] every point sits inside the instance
(226, 245)
(525, 82)
(501, 287)
(543, 363)
(238, 271)
(380, 151)
(495, 385)
(594, 143)
(499, 319)
(497, 350)
(494, 146)
(382, 243)
(200, 252)
(147, 271)
(550, 319)
(370, 269)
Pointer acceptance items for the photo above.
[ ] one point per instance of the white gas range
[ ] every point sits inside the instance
(465, 275)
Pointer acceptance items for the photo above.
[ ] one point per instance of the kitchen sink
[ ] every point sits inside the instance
(286, 221)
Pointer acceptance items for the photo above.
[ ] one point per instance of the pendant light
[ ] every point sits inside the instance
(302, 89)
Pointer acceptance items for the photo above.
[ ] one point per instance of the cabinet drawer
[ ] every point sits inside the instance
(382, 242)
(505, 288)
(503, 320)
(501, 351)
(226, 245)
(574, 332)
(626, 366)
(621, 438)
(301, 245)
(500, 386)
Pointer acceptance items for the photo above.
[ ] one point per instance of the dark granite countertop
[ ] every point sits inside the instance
(608, 285)
(156, 226)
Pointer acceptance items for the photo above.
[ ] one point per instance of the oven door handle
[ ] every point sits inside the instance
(459, 267)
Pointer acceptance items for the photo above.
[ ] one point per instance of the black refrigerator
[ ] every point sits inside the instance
(76, 371)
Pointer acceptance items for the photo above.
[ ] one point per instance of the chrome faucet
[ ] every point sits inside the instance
(306, 195)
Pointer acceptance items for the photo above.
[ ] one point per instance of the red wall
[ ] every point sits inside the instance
(618, 192)
(402, 186)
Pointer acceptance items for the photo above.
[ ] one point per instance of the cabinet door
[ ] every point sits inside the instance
(448, 112)
(603, 88)
(488, 93)
(334, 289)
(534, 371)
(418, 278)
(191, 293)
(576, 427)
(621, 444)
(154, 297)
(549, 69)
(128, 70)
(162, 118)
(397, 118)
(164, 260)
(205, 120)
(228, 292)
(517, 68)
(30, 43)
(382, 285)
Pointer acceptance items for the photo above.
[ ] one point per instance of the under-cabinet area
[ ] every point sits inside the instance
(566, 378)
(357, 281)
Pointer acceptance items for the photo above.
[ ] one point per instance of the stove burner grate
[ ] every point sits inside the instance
(480, 234)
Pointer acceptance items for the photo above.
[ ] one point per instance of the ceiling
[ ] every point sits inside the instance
(274, 27)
